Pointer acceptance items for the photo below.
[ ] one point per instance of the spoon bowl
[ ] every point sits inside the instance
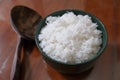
(25, 21)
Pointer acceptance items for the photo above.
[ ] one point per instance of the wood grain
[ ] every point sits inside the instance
(106, 67)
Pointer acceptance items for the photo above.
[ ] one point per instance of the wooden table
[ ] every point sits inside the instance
(107, 66)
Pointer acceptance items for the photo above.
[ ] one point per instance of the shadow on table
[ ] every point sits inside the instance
(55, 75)
(80, 76)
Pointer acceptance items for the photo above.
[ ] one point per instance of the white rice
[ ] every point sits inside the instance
(70, 38)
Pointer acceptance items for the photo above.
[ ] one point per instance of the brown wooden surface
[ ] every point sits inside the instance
(107, 66)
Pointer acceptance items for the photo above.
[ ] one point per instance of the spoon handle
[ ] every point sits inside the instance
(18, 62)
(25, 48)
(25, 65)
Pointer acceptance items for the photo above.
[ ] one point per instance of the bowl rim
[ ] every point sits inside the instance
(65, 11)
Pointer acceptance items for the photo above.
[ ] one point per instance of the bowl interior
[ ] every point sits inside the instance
(77, 12)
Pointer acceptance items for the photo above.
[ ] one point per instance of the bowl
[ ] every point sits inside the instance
(66, 67)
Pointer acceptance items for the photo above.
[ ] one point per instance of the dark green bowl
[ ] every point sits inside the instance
(72, 68)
